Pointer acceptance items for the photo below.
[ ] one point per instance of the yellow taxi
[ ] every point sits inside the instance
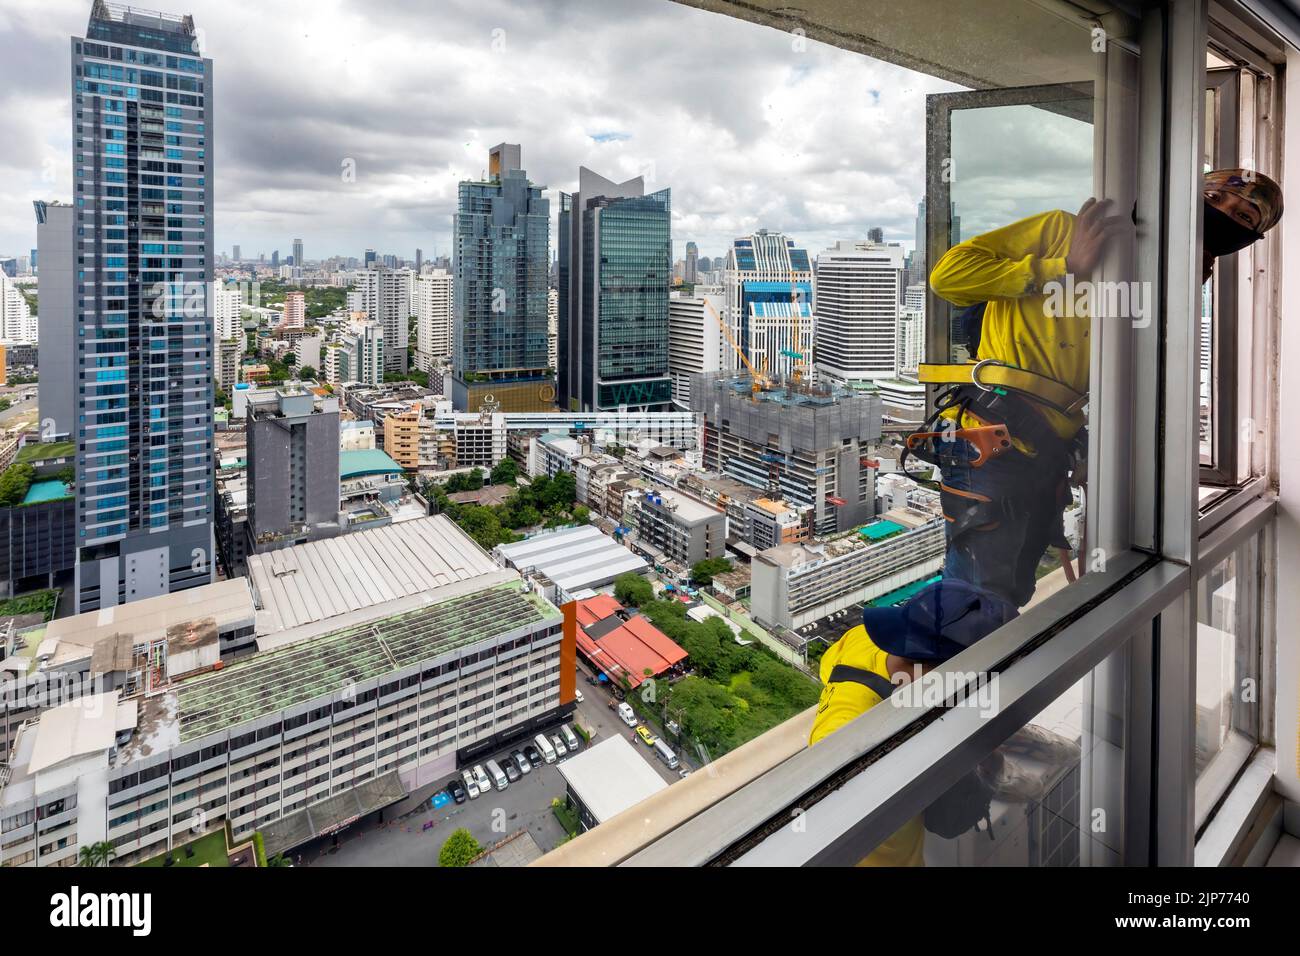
(647, 738)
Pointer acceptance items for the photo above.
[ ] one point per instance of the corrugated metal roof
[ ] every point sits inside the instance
(574, 558)
(322, 579)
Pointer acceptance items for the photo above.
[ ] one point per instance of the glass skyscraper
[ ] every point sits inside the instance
(615, 268)
(142, 236)
(501, 235)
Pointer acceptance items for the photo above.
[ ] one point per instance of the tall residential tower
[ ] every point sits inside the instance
(142, 162)
(501, 235)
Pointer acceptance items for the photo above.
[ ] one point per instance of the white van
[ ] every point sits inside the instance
(544, 747)
(665, 753)
(627, 714)
(570, 738)
(484, 784)
(497, 774)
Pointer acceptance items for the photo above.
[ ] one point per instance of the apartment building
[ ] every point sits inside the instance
(682, 530)
(431, 304)
(402, 437)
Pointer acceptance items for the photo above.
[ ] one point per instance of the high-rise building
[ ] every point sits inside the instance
(275, 259)
(858, 295)
(695, 341)
(227, 312)
(234, 253)
(431, 301)
(419, 260)
(876, 235)
(615, 269)
(553, 328)
(144, 338)
(57, 389)
(692, 263)
(369, 257)
(295, 311)
(501, 236)
(17, 323)
(359, 356)
(297, 253)
(768, 282)
(384, 294)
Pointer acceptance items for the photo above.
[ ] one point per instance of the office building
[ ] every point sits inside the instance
(145, 464)
(402, 651)
(695, 338)
(297, 253)
(858, 292)
(501, 236)
(692, 263)
(234, 253)
(431, 303)
(615, 261)
(769, 287)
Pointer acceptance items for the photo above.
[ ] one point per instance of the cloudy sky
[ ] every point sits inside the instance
(750, 127)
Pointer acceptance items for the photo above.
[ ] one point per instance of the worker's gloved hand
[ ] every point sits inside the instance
(1092, 229)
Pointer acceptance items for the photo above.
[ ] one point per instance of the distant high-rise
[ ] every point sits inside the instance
(501, 236)
(768, 282)
(369, 258)
(859, 293)
(144, 323)
(692, 263)
(384, 294)
(295, 311)
(615, 267)
(275, 259)
(695, 342)
(419, 260)
(876, 235)
(431, 299)
(297, 253)
(234, 253)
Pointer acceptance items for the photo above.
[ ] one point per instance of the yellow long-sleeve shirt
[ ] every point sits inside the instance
(1008, 268)
(842, 701)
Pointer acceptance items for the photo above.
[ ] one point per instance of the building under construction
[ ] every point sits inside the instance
(805, 443)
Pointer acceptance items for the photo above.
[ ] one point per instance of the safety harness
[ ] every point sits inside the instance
(1002, 398)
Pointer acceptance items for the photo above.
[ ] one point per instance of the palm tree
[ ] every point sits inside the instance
(96, 854)
(279, 860)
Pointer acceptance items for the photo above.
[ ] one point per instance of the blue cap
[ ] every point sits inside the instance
(939, 621)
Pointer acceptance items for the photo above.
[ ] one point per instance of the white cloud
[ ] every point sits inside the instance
(747, 131)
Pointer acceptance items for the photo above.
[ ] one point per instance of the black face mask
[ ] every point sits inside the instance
(1225, 235)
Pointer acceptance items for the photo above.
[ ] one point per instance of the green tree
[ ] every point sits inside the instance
(581, 514)
(306, 372)
(460, 848)
(14, 483)
(505, 472)
(702, 572)
(562, 490)
(633, 589)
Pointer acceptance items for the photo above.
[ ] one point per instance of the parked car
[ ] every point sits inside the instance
(627, 714)
(457, 790)
(521, 761)
(533, 755)
(577, 695)
(471, 783)
(647, 738)
(482, 779)
(511, 769)
(558, 744)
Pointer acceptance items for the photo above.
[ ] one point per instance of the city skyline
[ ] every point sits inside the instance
(736, 137)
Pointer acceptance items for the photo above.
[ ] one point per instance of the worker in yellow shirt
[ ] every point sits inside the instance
(892, 646)
(1009, 432)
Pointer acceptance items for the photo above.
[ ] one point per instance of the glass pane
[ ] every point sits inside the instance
(1050, 795)
(1227, 652)
(1001, 176)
